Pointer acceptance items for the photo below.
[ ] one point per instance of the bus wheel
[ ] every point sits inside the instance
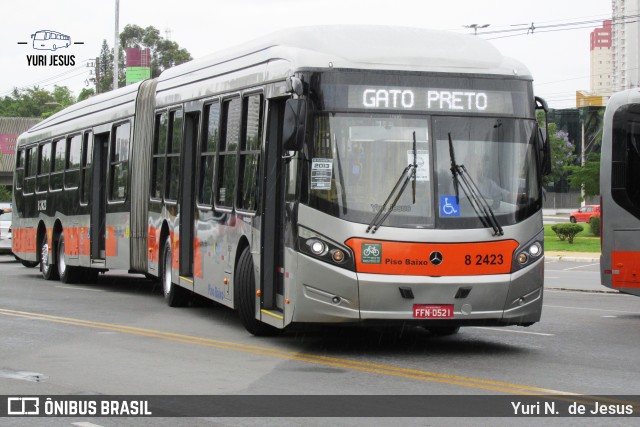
(245, 284)
(443, 331)
(67, 274)
(174, 295)
(47, 267)
(29, 264)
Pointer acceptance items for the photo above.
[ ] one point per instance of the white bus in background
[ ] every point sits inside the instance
(620, 193)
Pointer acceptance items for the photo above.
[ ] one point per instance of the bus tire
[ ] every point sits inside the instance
(245, 284)
(29, 264)
(67, 273)
(47, 266)
(174, 295)
(443, 331)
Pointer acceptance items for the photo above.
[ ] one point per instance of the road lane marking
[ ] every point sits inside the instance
(513, 331)
(589, 309)
(355, 365)
(77, 288)
(85, 424)
(581, 266)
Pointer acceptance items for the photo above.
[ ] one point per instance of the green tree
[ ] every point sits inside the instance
(164, 53)
(104, 82)
(35, 102)
(5, 193)
(86, 93)
(587, 175)
(562, 154)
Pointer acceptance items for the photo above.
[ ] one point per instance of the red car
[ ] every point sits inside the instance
(585, 213)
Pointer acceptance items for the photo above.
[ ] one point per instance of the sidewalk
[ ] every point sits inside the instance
(588, 257)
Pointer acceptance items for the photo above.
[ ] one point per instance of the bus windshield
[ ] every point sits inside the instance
(356, 160)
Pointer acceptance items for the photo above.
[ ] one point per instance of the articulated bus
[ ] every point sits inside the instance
(620, 193)
(353, 174)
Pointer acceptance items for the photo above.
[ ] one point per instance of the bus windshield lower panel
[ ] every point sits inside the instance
(356, 160)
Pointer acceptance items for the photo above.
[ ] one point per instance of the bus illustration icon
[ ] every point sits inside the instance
(50, 40)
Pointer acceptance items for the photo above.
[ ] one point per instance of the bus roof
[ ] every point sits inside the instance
(366, 47)
(360, 47)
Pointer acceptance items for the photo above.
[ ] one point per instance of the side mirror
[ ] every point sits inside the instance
(544, 145)
(295, 113)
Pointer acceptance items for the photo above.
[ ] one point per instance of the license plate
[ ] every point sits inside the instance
(433, 311)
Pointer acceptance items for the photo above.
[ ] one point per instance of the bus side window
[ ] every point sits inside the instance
(159, 153)
(208, 154)
(250, 153)
(119, 162)
(174, 147)
(633, 165)
(85, 171)
(31, 165)
(226, 182)
(44, 168)
(58, 151)
(72, 162)
(19, 169)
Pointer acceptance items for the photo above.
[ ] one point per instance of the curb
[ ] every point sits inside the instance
(570, 258)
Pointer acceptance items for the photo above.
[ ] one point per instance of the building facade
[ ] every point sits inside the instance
(625, 44)
(601, 65)
(10, 129)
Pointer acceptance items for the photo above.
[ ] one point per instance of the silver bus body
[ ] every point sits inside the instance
(620, 193)
(360, 81)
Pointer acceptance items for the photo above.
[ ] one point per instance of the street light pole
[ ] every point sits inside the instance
(116, 48)
(475, 27)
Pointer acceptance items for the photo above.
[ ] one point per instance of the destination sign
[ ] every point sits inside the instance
(430, 99)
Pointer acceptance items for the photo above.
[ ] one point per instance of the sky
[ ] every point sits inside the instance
(557, 54)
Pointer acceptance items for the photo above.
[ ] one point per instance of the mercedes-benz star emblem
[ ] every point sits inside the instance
(435, 258)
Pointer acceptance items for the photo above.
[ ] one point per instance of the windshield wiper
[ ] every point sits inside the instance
(462, 178)
(407, 173)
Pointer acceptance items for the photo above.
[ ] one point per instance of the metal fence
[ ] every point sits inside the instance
(568, 200)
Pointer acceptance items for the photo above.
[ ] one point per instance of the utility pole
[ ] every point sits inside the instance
(116, 48)
(475, 27)
(97, 75)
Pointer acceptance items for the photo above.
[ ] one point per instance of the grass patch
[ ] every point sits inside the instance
(585, 241)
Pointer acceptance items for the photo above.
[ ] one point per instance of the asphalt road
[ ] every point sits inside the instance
(118, 337)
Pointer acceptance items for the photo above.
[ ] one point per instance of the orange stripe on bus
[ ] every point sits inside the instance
(153, 239)
(111, 242)
(626, 265)
(197, 258)
(24, 240)
(407, 258)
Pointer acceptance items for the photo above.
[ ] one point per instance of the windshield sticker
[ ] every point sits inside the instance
(321, 172)
(422, 160)
(449, 206)
(371, 253)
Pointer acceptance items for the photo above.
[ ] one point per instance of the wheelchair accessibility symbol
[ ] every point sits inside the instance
(449, 206)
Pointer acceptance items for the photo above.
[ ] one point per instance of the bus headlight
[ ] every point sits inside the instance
(316, 246)
(324, 249)
(528, 253)
(535, 250)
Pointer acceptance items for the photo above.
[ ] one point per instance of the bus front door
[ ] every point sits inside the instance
(187, 189)
(272, 224)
